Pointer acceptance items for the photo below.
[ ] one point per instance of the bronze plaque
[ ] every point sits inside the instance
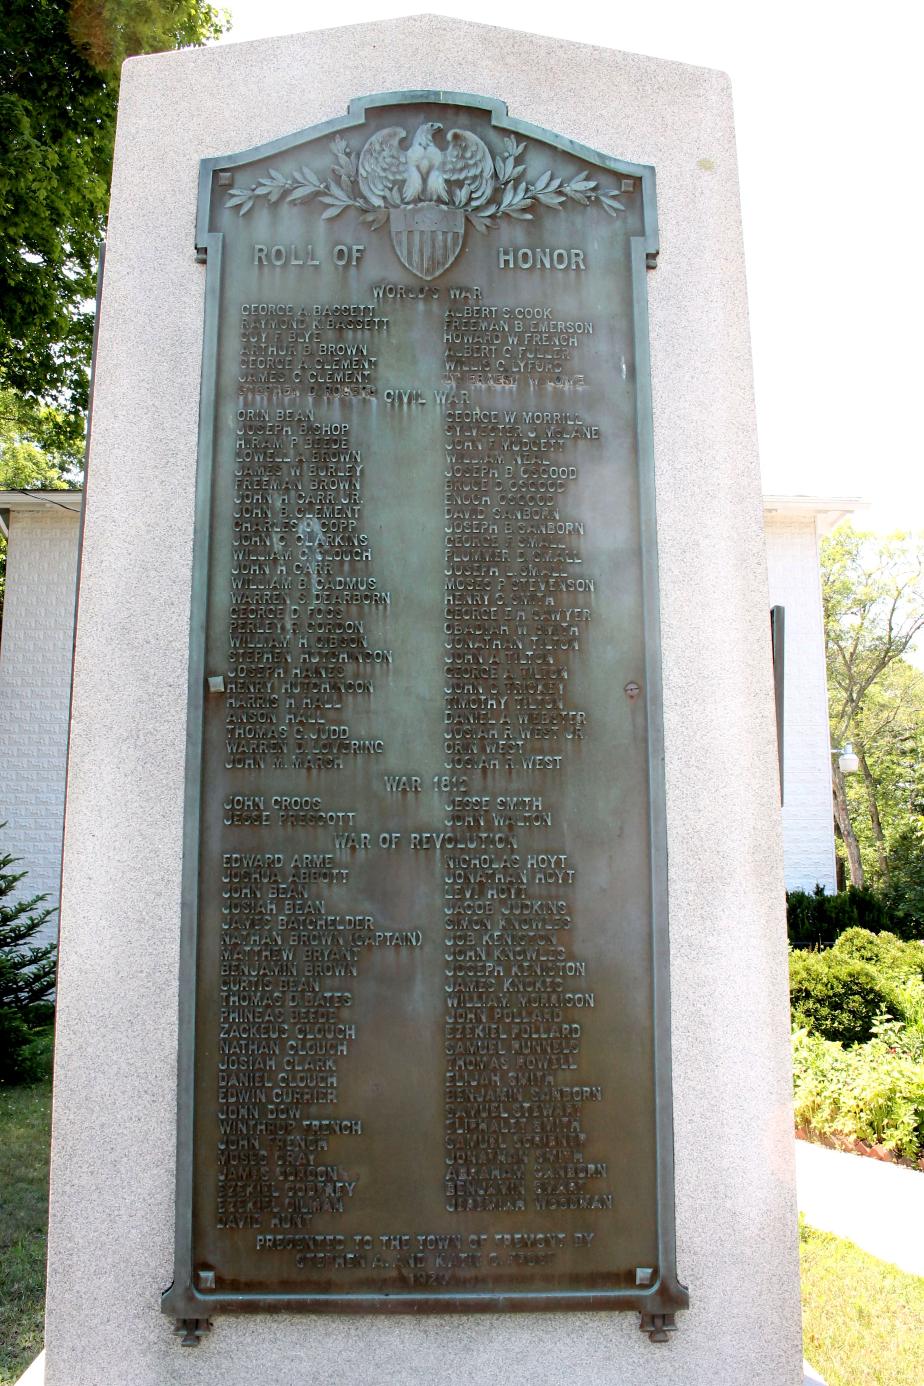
(424, 1027)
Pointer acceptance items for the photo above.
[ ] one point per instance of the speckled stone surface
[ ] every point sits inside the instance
(111, 1237)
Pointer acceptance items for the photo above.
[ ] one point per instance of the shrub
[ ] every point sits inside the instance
(27, 976)
(889, 955)
(872, 1092)
(25, 1054)
(819, 918)
(838, 998)
(14, 1039)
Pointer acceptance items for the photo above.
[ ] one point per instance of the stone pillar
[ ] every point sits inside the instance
(111, 1238)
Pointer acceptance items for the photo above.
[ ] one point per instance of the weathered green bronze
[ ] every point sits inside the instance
(425, 1031)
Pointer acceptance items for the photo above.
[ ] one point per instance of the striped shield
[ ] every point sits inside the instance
(427, 237)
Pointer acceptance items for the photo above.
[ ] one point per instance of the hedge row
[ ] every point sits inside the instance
(818, 919)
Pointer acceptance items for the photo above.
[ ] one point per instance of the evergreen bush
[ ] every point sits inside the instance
(27, 977)
(892, 957)
(837, 997)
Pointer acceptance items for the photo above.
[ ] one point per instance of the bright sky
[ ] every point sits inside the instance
(829, 124)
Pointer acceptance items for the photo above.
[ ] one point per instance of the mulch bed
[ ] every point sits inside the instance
(854, 1147)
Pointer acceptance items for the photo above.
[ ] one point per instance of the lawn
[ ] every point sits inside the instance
(25, 1125)
(863, 1320)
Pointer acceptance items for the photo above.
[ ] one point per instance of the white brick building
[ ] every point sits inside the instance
(793, 526)
(36, 649)
(35, 675)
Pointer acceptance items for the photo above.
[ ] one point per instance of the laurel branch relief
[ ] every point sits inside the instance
(464, 175)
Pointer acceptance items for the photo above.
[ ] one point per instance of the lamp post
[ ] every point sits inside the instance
(848, 763)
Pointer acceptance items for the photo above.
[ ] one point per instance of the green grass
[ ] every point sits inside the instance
(863, 1320)
(25, 1125)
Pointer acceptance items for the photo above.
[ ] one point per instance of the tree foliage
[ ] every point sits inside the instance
(27, 971)
(59, 65)
(906, 879)
(36, 453)
(873, 593)
(37, 448)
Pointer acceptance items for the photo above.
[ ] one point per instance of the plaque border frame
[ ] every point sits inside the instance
(191, 1304)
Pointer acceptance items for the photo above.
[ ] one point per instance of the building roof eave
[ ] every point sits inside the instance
(827, 511)
(70, 500)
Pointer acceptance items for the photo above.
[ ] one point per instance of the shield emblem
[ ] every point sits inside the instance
(427, 236)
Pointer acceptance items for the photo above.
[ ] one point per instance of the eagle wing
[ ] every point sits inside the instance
(468, 160)
(382, 165)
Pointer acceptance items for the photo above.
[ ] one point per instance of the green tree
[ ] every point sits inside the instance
(873, 594)
(35, 451)
(34, 455)
(888, 794)
(906, 879)
(27, 971)
(59, 65)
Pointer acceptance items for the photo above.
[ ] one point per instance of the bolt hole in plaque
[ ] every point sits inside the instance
(424, 1028)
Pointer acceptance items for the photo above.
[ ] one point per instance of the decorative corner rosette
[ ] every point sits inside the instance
(427, 194)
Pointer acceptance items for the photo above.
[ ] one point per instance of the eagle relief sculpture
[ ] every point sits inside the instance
(426, 193)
